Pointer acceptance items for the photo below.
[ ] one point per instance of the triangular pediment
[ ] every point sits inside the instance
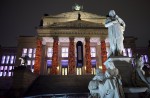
(74, 14)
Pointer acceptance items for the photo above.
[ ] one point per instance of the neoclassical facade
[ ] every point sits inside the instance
(75, 42)
(70, 43)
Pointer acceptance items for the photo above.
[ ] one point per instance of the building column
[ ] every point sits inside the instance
(55, 57)
(98, 55)
(103, 54)
(38, 56)
(43, 69)
(71, 56)
(88, 56)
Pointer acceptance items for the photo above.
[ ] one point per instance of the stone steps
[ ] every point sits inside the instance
(57, 84)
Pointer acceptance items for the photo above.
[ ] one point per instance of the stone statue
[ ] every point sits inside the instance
(99, 75)
(94, 84)
(139, 74)
(114, 84)
(116, 27)
(24, 60)
(79, 16)
(107, 85)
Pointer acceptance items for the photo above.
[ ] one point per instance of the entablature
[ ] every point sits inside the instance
(73, 32)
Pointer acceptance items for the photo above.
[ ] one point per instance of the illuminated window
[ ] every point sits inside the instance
(124, 52)
(34, 51)
(64, 51)
(93, 62)
(49, 63)
(79, 71)
(32, 70)
(93, 71)
(24, 52)
(93, 52)
(129, 52)
(49, 52)
(9, 73)
(48, 70)
(10, 67)
(1, 68)
(146, 58)
(143, 59)
(1, 74)
(29, 62)
(3, 59)
(64, 71)
(7, 59)
(5, 68)
(33, 62)
(11, 59)
(4, 73)
(30, 52)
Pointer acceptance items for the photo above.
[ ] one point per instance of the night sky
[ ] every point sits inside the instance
(20, 17)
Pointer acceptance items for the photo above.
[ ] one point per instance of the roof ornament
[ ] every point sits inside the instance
(77, 7)
(79, 16)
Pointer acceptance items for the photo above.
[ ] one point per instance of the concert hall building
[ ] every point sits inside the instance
(70, 43)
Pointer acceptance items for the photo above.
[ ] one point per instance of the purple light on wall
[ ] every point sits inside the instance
(49, 63)
(146, 58)
(64, 63)
(124, 52)
(129, 52)
(93, 62)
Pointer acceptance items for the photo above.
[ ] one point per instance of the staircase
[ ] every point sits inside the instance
(59, 85)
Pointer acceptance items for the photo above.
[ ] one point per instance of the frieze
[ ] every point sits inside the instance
(67, 34)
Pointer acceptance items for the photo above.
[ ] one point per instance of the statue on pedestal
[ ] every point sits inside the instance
(107, 85)
(113, 84)
(116, 28)
(94, 84)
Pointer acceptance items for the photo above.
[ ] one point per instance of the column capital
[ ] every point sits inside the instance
(87, 39)
(43, 42)
(102, 38)
(71, 38)
(55, 38)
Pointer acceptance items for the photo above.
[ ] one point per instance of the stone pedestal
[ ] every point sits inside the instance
(22, 79)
